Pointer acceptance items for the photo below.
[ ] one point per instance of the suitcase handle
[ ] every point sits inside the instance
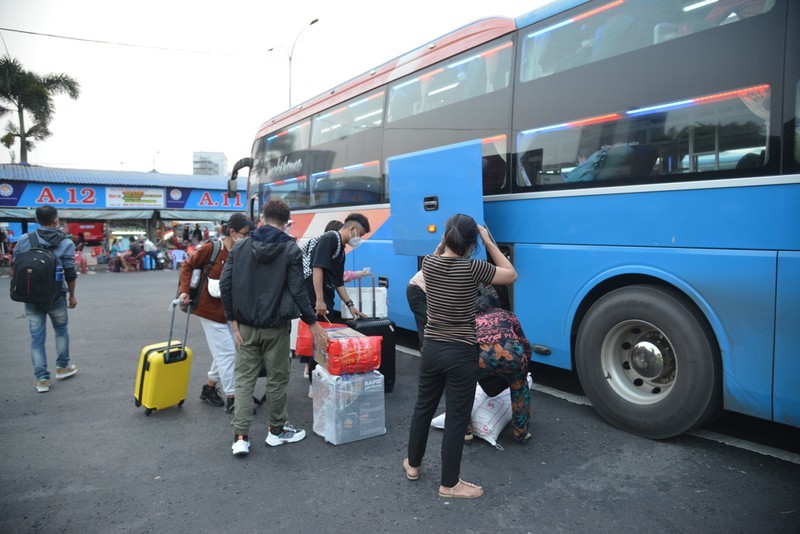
(374, 298)
(167, 358)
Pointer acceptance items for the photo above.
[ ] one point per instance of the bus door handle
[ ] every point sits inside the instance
(431, 203)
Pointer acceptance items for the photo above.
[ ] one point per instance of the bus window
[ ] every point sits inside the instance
(475, 73)
(494, 163)
(797, 124)
(356, 116)
(721, 131)
(279, 165)
(355, 184)
(620, 26)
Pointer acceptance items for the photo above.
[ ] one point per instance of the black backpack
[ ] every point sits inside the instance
(34, 275)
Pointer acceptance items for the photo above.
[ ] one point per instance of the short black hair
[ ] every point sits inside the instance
(485, 303)
(277, 211)
(46, 215)
(334, 225)
(237, 222)
(360, 219)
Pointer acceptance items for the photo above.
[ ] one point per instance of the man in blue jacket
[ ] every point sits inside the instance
(269, 292)
(50, 237)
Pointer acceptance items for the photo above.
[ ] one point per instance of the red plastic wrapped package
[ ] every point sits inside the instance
(349, 352)
(305, 341)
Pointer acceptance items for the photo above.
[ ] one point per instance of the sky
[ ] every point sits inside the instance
(200, 76)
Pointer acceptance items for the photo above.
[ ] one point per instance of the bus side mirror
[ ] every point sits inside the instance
(233, 187)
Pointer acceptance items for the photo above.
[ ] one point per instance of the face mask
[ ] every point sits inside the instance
(355, 240)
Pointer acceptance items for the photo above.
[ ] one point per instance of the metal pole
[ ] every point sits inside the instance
(291, 54)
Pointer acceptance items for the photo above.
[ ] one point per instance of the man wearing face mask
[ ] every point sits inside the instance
(327, 278)
(212, 315)
(327, 262)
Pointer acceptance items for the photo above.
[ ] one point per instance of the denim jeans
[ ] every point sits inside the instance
(37, 323)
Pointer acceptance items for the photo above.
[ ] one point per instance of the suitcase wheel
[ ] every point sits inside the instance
(180, 404)
(137, 403)
(148, 411)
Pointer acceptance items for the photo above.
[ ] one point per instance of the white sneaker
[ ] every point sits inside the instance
(241, 447)
(66, 372)
(288, 435)
(310, 391)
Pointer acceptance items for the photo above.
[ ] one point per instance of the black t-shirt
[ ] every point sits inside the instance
(324, 256)
(136, 248)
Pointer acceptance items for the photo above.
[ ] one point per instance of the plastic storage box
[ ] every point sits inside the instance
(348, 407)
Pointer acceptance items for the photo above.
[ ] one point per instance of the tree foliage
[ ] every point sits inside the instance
(30, 95)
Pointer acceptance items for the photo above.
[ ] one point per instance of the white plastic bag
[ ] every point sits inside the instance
(490, 415)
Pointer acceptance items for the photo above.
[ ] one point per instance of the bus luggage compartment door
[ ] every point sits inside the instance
(427, 187)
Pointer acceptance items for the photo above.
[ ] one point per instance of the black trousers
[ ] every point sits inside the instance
(450, 368)
(418, 303)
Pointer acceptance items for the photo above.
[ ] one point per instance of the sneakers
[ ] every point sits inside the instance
(66, 372)
(211, 396)
(229, 407)
(241, 447)
(42, 386)
(310, 391)
(288, 435)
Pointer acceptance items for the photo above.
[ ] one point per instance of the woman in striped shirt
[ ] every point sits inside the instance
(449, 362)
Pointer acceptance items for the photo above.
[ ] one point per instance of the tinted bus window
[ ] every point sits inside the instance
(360, 183)
(475, 73)
(621, 26)
(347, 144)
(797, 124)
(721, 131)
(462, 98)
(280, 165)
(359, 115)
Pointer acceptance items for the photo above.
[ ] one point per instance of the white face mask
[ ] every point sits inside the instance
(355, 240)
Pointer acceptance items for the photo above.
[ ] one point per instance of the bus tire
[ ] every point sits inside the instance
(648, 362)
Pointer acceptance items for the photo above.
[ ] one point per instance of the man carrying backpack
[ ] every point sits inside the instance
(44, 273)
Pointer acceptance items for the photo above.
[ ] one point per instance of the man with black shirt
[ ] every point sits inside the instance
(327, 263)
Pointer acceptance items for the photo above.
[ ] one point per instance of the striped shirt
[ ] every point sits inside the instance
(451, 287)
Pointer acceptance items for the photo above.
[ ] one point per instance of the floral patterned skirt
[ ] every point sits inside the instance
(507, 360)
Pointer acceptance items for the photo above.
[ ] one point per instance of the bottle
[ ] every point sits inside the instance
(59, 273)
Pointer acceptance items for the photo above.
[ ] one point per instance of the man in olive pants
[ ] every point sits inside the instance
(269, 292)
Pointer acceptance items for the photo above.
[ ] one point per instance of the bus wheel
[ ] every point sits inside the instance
(648, 362)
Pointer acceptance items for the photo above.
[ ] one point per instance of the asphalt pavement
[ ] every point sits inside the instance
(83, 458)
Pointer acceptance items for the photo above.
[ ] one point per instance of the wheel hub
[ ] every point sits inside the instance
(639, 362)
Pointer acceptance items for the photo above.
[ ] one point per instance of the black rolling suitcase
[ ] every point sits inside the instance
(379, 326)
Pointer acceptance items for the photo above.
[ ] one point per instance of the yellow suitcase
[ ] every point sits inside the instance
(162, 378)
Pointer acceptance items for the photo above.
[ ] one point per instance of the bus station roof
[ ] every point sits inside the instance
(52, 175)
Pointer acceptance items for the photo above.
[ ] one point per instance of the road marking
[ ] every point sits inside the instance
(570, 397)
(746, 445)
(698, 433)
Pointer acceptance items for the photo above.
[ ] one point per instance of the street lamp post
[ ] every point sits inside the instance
(290, 54)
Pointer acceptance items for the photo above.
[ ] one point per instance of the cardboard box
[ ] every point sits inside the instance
(348, 408)
(349, 352)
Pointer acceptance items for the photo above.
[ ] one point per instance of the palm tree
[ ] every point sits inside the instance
(24, 91)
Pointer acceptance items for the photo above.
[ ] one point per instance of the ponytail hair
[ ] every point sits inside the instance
(461, 234)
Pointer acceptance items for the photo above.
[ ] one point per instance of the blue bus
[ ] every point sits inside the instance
(639, 162)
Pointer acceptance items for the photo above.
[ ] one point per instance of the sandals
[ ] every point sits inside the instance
(412, 473)
(462, 490)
